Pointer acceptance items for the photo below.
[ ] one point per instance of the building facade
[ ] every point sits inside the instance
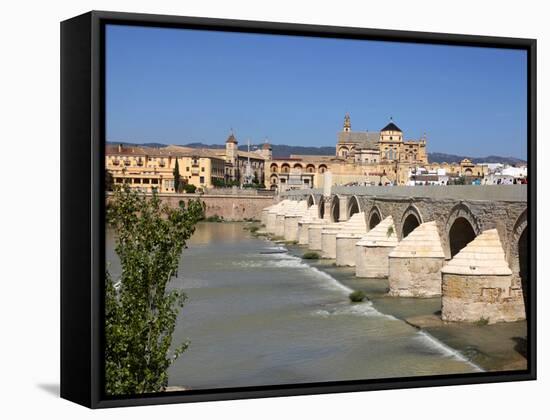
(148, 168)
(151, 168)
(362, 158)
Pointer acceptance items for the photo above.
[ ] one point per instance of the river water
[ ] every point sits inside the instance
(255, 317)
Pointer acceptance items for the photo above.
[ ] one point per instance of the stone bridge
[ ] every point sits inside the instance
(461, 214)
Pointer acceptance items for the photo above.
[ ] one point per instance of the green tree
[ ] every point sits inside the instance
(140, 312)
(177, 183)
(189, 188)
(461, 180)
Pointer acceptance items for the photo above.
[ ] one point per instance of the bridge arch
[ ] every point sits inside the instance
(374, 217)
(322, 208)
(335, 209)
(462, 227)
(410, 220)
(518, 253)
(310, 200)
(353, 206)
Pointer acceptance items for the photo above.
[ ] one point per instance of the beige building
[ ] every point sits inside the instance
(243, 167)
(362, 157)
(148, 168)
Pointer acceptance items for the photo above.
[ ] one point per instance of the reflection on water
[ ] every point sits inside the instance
(260, 318)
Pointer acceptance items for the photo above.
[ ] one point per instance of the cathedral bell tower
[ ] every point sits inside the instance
(347, 123)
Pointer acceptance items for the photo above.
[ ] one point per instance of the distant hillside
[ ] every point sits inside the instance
(126, 143)
(279, 150)
(444, 157)
(283, 150)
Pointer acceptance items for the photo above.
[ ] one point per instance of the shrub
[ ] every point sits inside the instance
(189, 188)
(310, 255)
(214, 219)
(357, 296)
(482, 321)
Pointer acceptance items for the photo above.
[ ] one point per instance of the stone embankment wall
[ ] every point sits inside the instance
(230, 207)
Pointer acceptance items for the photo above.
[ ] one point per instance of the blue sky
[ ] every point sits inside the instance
(178, 86)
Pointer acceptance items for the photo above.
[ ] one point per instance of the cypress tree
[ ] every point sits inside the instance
(177, 177)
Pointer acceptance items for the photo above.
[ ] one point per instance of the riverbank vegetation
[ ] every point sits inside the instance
(214, 219)
(310, 255)
(357, 296)
(140, 313)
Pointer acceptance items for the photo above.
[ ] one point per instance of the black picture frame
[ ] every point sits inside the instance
(83, 206)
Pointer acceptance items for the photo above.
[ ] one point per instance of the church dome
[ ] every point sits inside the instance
(391, 127)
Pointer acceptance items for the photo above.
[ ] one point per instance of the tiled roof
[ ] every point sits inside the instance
(231, 139)
(363, 139)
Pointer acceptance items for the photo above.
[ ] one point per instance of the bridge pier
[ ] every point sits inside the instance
(291, 219)
(415, 263)
(315, 236)
(345, 248)
(352, 231)
(478, 284)
(343, 212)
(328, 241)
(311, 217)
(373, 250)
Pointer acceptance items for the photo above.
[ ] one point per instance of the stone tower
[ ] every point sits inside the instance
(231, 148)
(347, 123)
(266, 151)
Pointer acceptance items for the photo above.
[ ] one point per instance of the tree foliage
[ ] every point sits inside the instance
(177, 179)
(140, 311)
(189, 188)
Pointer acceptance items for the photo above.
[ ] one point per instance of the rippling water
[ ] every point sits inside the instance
(258, 318)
